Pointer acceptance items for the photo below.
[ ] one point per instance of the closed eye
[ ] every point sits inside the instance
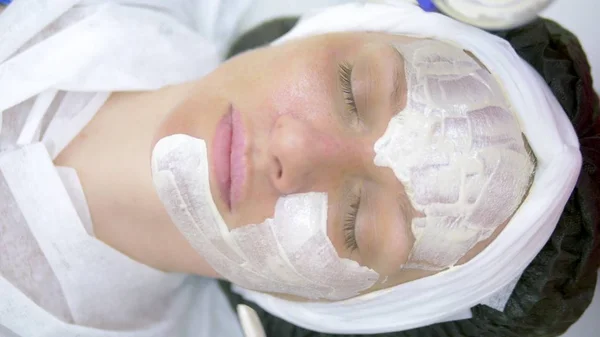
(350, 225)
(345, 70)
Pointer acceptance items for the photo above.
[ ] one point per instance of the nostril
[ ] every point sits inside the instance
(279, 169)
(284, 179)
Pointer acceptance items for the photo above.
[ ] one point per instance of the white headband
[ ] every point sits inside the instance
(453, 292)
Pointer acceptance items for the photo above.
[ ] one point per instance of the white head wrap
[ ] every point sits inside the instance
(451, 293)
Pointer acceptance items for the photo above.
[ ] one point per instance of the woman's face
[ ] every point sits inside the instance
(305, 116)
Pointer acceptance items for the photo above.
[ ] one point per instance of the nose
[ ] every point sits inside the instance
(300, 155)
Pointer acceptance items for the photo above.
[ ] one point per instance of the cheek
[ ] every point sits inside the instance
(308, 93)
(305, 88)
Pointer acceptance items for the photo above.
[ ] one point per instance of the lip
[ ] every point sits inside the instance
(229, 162)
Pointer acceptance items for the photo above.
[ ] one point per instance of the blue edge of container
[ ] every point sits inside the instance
(428, 5)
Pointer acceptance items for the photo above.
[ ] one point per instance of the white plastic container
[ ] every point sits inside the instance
(492, 14)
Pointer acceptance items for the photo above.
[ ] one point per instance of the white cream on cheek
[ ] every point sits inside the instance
(290, 253)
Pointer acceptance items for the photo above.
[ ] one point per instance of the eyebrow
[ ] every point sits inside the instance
(370, 84)
(385, 241)
(396, 94)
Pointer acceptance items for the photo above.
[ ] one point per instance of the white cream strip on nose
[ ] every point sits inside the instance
(458, 150)
(290, 253)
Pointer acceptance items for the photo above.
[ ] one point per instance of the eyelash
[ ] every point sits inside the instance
(346, 81)
(350, 226)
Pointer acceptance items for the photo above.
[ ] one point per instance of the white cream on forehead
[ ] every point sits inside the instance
(458, 150)
(290, 253)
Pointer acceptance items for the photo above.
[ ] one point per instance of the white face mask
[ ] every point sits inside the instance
(458, 150)
(289, 254)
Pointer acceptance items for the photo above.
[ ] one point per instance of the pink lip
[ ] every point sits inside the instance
(229, 164)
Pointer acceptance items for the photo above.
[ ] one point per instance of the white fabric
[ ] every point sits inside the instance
(264, 10)
(551, 136)
(59, 62)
